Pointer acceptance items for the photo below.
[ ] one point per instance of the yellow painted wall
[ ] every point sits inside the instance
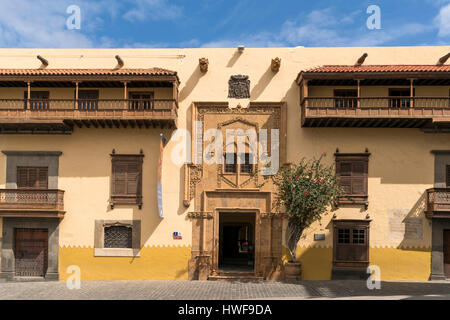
(154, 263)
(401, 166)
(394, 263)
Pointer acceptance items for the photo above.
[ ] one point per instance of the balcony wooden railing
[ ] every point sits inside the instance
(85, 109)
(331, 111)
(27, 202)
(438, 203)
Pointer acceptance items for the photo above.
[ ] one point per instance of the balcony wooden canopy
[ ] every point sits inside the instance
(376, 75)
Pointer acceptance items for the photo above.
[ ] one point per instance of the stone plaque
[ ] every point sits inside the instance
(319, 236)
(403, 227)
(414, 228)
(239, 87)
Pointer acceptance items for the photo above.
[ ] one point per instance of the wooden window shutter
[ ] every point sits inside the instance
(42, 178)
(132, 178)
(119, 177)
(126, 179)
(32, 178)
(352, 171)
(22, 178)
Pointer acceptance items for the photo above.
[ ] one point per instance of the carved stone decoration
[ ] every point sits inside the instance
(200, 215)
(203, 63)
(194, 174)
(276, 64)
(239, 87)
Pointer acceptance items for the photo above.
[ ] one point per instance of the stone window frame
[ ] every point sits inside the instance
(101, 251)
(49, 159)
(7, 250)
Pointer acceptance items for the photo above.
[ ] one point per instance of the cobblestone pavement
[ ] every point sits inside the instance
(221, 290)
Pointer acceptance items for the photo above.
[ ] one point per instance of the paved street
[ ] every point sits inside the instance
(219, 290)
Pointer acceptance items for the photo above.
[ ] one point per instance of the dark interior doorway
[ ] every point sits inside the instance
(236, 242)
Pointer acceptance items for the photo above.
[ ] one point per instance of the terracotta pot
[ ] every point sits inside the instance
(293, 271)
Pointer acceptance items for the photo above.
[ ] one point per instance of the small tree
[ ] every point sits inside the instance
(306, 190)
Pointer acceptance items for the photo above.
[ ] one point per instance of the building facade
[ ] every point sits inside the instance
(137, 164)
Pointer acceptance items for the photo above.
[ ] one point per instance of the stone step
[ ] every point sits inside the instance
(235, 276)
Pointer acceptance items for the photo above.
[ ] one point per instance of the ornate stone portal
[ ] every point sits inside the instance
(216, 191)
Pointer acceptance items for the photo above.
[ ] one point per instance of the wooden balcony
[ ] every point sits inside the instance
(438, 203)
(31, 203)
(376, 112)
(62, 115)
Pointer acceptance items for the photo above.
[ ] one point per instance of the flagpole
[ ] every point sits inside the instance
(159, 181)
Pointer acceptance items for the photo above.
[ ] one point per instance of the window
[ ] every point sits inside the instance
(32, 177)
(88, 100)
(230, 167)
(244, 166)
(351, 243)
(118, 237)
(352, 171)
(345, 98)
(39, 100)
(126, 179)
(397, 101)
(141, 101)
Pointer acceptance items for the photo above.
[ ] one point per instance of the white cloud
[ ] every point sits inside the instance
(152, 10)
(27, 23)
(325, 28)
(443, 21)
(42, 24)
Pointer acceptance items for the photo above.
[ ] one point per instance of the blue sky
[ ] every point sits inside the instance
(220, 23)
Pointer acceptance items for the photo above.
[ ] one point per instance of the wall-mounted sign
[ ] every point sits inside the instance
(177, 236)
(319, 236)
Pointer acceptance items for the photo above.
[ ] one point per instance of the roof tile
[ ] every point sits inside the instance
(378, 68)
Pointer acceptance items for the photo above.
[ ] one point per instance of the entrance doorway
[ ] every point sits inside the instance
(447, 253)
(236, 242)
(31, 252)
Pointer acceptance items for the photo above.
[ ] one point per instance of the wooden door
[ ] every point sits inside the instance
(447, 253)
(31, 252)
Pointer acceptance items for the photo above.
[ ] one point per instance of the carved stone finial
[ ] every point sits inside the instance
(276, 64)
(204, 63)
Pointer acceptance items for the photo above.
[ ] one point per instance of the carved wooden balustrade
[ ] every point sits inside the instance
(86, 112)
(438, 203)
(374, 111)
(31, 202)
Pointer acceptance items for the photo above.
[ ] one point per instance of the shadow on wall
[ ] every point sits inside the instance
(415, 223)
(236, 55)
(190, 83)
(262, 84)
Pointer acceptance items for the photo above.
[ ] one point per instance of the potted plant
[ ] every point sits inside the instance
(306, 191)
